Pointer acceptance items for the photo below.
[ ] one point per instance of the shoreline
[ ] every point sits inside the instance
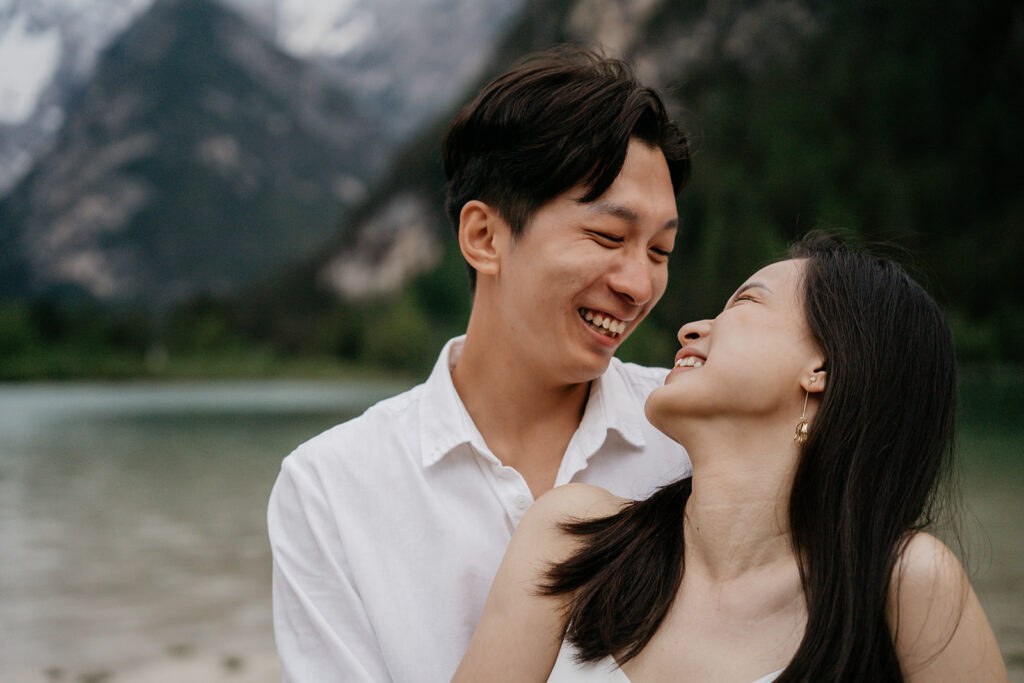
(179, 663)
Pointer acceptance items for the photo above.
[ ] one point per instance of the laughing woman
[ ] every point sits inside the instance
(784, 557)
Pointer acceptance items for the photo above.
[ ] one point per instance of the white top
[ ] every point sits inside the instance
(387, 530)
(568, 670)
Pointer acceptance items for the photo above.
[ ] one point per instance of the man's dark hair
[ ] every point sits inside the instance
(559, 118)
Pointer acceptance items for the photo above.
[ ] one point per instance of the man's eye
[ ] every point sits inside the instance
(661, 252)
(606, 236)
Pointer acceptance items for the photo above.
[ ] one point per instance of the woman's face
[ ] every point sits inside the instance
(750, 365)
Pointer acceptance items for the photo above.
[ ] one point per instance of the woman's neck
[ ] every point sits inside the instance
(737, 516)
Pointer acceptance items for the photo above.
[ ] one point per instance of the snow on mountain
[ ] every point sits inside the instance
(198, 157)
(404, 59)
(323, 28)
(39, 52)
(48, 49)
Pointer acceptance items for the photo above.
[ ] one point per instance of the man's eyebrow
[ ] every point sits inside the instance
(625, 213)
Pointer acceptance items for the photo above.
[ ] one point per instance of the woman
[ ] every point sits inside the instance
(818, 412)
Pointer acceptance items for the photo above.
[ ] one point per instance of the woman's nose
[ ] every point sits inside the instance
(693, 331)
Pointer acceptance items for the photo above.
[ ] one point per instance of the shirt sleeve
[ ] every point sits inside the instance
(321, 626)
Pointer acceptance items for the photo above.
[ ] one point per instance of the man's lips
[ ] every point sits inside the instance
(602, 322)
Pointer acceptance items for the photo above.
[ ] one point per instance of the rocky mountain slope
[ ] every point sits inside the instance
(242, 139)
(667, 42)
(397, 58)
(801, 114)
(48, 50)
(198, 157)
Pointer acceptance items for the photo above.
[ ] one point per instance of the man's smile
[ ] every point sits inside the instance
(602, 322)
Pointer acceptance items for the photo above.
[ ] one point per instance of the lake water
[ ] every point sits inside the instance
(133, 535)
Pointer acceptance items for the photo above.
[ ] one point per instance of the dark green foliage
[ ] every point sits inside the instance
(51, 339)
(201, 325)
(17, 331)
(898, 122)
(895, 121)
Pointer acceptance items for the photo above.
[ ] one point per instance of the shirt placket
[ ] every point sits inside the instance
(515, 493)
(507, 483)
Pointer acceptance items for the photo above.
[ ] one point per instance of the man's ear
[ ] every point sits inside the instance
(483, 235)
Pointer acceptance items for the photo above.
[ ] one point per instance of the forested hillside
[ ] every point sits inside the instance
(896, 122)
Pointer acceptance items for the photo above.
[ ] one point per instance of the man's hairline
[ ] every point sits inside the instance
(583, 189)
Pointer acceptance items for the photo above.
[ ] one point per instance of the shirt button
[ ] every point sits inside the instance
(522, 502)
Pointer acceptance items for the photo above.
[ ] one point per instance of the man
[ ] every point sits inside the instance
(387, 530)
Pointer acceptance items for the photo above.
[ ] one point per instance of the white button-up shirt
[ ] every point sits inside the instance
(387, 530)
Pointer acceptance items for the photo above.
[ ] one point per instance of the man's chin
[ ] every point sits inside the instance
(593, 366)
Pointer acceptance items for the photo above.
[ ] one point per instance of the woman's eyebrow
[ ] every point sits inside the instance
(750, 285)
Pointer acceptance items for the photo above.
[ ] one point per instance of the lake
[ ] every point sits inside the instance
(132, 521)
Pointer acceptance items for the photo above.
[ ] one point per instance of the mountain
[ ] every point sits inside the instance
(198, 157)
(402, 60)
(401, 231)
(48, 50)
(801, 114)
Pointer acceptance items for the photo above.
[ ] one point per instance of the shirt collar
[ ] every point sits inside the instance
(445, 424)
(610, 407)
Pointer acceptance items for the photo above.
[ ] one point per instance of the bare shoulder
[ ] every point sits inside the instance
(521, 629)
(936, 619)
(928, 592)
(927, 565)
(577, 501)
(540, 533)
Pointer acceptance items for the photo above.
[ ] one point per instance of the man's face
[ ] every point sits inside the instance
(581, 277)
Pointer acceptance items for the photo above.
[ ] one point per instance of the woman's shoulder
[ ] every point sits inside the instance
(937, 623)
(541, 532)
(928, 586)
(926, 562)
(578, 502)
(520, 631)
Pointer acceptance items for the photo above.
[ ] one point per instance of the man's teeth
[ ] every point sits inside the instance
(689, 362)
(605, 324)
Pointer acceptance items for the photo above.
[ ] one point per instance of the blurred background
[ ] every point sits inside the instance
(222, 231)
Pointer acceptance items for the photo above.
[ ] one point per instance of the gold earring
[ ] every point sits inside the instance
(802, 425)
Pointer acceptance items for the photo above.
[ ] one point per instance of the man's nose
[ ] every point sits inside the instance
(634, 280)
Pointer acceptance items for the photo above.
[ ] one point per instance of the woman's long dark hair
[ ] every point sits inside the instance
(878, 451)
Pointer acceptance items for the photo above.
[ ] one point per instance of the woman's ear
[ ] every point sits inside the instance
(813, 381)
(482, 236)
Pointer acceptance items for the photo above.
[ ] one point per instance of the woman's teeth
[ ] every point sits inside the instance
(606, 325)
(689, 362)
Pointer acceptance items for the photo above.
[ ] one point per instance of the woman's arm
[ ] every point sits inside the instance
(940, 629)
(520, 632)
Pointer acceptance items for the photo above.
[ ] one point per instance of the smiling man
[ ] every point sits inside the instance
(387, 530)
